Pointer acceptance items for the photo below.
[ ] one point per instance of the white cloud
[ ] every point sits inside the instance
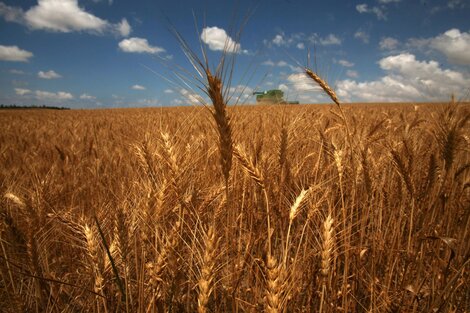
(300, 39)
(22, 92)
(388, 1)
(388, 43)
(13, 53)
(218, 40)
(48, 75)
(346, 63)
(192, 97)
(281, 63)
(177, 102)
(282, 39)
(168, 91)
(138, 87)
(300, 82)
(45, 95)
(268, 63)
(330, 40)
(364, 8)
(283, 87)
(17, 72)
(240, 93)
(406, 79)
(61, 16)
(362, 35)
(86, 96)
(123, 28)
(456, 4)
(278, 40)
(11, 14)
(138, 45)
(352, 74)
(455, 45)
(148, 102)
(54, 96)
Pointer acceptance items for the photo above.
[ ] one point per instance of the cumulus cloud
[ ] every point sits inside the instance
(300, 82)
(139, 45)
(406, 79)
(388, 43)
(268, 63)
(61, 16)
(278, 40)
(455, 45)
(138, 87)
(11, 14)
(362, 35)
(240, 93)
(17, 72)
(283, 87)
(54, 96)
(346, 63)
(48, 75)
(148, 102)
(300, 39)
(330, 40)
(14, 54)
(177, 102)
(364, 8)
(191, 97)
(282, 39)
(451, 5)
(279, 63)
(86, 96)
(22, 91)
(123, 28)
(218, 40)
(299, 87)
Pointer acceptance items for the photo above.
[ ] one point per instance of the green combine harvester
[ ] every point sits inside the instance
(274, 96)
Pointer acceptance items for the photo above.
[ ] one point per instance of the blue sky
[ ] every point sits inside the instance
(121, 53)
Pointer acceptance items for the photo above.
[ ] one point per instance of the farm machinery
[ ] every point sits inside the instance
(274, 96)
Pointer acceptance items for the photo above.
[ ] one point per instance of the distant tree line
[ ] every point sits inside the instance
(14, 106)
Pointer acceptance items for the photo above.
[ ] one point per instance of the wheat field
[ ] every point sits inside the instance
(306, 209)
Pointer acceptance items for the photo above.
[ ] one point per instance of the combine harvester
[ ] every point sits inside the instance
(274, 96)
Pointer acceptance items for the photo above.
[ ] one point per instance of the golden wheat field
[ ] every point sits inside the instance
(298, 209)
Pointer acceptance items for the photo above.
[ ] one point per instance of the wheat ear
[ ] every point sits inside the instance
(157, 268)
(248, 166)
(326, 254)
(275, 284)
(206, 279)
(329, 91)
(220, 114)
